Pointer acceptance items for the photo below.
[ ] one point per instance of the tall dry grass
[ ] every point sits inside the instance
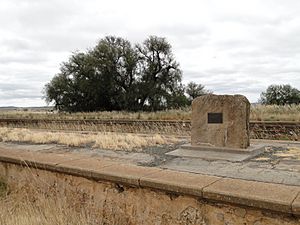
(113, 141)
(18, 210)
(178, 114)
(275, 113)
(258, 113)
(3, 188)
(21, 208)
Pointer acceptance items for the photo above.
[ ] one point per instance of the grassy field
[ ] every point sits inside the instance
(258, 113)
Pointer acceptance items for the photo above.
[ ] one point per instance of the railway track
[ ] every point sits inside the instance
(258, 129)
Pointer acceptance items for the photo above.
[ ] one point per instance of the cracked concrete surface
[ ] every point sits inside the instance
(280, 163)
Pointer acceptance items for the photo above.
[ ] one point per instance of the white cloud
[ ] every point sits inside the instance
(234, 46)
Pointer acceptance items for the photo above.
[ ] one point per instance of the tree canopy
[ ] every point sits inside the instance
(116, 75)
(280, 95)
(195, 90)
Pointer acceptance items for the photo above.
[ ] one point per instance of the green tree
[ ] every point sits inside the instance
(69, 89)
(101, 79)
(195, 90)
(116, 63)
(114, 75)
(280, 95)
(159, 74)
(178, 98)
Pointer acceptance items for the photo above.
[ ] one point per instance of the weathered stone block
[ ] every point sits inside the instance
(221, 121)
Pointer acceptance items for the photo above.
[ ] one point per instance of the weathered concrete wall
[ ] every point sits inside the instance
(116, 204)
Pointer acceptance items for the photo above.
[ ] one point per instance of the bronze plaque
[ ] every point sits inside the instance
(215, 117)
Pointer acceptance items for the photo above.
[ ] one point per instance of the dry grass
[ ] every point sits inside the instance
(275, 113)
(114, 141)
(179, 114)
(258, 113)
(182, 129)
(18, 208)
(43, 200)
(3, 188)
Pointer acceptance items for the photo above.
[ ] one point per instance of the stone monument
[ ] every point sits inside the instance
(221, 121)
(220, 130)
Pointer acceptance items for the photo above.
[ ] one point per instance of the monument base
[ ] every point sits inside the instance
(207, 152)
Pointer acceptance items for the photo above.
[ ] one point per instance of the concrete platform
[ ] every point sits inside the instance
(217, 153)
(278, 198)
(280, 163)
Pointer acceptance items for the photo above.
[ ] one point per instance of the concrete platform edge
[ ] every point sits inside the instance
(201, 186)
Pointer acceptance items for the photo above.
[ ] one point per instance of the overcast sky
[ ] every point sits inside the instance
(229, 46)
